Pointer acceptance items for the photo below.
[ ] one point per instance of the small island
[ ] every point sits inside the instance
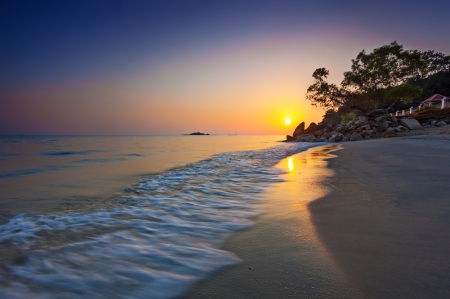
(197, 133)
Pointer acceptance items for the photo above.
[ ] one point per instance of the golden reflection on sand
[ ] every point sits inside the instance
(306, 179)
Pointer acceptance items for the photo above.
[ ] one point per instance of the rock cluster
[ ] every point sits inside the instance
(362, 127)
(432, 123)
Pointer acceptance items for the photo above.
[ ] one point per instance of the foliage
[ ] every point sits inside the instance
(385, 67)
(345, 118)
(436, 83)
(324, 94)
(406, 93)
(388, 76)
(331, 117)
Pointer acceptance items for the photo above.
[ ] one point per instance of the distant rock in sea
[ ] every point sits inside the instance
(197, 133)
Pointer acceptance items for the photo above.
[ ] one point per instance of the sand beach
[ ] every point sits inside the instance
(366, 219)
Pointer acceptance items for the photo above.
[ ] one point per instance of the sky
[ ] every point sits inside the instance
(112, 67)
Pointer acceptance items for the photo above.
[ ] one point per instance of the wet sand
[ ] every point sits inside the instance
(281, 255)
(386, 224)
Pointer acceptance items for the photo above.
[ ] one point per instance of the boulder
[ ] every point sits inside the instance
(338, 137)
(331, 139)
(382, 118)
(411, 123)
(441, 124)
(433, 122)
(345, 139)
(312, 128)
(362, 118)
(382, 127)
(319, 132)
(290, 138)
(299, 130)
(355, 137)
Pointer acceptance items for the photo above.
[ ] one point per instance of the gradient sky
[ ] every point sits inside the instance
(172, 67)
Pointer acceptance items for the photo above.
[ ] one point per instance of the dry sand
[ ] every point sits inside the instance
(387, 222)
(378, 228)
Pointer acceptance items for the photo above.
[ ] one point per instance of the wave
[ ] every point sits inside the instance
(71, 153)
(154, 243)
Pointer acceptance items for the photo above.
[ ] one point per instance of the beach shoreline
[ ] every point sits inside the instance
(281, 256)
(378, 230)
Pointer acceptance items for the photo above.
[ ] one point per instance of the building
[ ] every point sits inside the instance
(437, 100)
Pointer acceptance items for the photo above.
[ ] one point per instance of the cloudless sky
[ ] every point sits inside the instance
(172, 67)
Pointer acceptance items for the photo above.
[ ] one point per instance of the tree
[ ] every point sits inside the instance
(387, 75)
(324, 94)
(385, 67)
(404, 93)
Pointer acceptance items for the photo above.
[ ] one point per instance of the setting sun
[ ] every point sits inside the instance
(287, 121)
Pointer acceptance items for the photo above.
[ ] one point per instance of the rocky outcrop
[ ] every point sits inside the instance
(374, 125)
(290, 138)
(299, 130)
(312, 128)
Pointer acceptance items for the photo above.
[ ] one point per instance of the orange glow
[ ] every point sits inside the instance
(287, 121)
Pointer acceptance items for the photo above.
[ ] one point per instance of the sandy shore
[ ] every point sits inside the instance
(373, 222)
(387, 222)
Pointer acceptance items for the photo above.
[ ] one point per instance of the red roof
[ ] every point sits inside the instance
(435, 98)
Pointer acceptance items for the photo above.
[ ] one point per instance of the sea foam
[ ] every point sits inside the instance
(155, 242)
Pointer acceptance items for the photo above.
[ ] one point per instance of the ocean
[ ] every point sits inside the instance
(127, 216)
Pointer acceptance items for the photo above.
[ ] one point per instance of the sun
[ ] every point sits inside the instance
(287, 121)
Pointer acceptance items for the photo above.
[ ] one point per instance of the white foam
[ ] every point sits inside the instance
(155, 243)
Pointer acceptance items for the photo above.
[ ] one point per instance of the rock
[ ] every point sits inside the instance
(290, 138)
(312, 128)
(322, 139)
(401, 129)
(340, 128)
(331, 139)
(345, 139)
(362, 118)
(441, 124)
(390, 130)
(299, 130)
(355, 137)
(411, 124)
(373, 124)
(382, 127)
(361, 123)
(327, 135)
(339, 137)
(433, 122)
(382, 118)
(319, 132)
(367, 137)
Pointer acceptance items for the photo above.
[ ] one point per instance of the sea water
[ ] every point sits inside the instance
(126, 216)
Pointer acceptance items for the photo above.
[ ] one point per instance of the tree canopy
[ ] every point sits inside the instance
(387, 75)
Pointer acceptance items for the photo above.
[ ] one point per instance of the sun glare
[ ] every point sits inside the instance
(287, 121)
